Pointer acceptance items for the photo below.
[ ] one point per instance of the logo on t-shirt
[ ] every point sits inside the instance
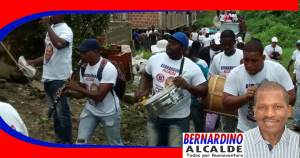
(93, 87)
(160, 77)
(249, 85)
(227, 69)
(89, 77)
(170, 70)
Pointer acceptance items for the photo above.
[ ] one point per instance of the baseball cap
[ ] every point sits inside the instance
(182, 38)
(216, 38)
(274, 39)
(298, 42)
(89, 44)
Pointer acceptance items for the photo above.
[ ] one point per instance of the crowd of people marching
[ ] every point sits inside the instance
(200, 54)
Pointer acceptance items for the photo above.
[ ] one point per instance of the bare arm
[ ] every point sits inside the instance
(199, 91)
(279, 57)
(231, 102)
(36, 62)
(57, 42)
(145, 84)
(294, 79)
(75, 94)
(292, 96)
(99, 95)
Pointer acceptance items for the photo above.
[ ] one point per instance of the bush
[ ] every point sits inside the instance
(264, 25)
(287, 36)
(205, 18)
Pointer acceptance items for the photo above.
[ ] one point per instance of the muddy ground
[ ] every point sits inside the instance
(31, 106)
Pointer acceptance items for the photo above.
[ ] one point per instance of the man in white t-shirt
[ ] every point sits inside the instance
(224, 62)
(102, 104)
(206, 41)
(201, 37)
(12, 118)
(57, 67)
(295, 55)
(241, 83)
(271, 48)
(194, 35)
(167, 128)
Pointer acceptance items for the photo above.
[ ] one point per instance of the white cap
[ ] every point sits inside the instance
(240, 39)
(274, 39)
(160, 46)
(216, 38)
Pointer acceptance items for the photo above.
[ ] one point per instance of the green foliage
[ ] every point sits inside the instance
(287, 54)
(146, 55)
(264, 25)
(28, 39)
(205, 18)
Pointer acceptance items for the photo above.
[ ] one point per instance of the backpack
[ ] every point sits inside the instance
(120, 86)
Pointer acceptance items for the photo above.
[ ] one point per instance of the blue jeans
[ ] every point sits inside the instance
(61, 114)
(198, 116)
(145, 46)
(89, 122)
(166, 132)
(297, 118)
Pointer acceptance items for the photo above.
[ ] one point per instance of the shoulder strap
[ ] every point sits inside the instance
(181, 66)
(99, 75)
(101, 68)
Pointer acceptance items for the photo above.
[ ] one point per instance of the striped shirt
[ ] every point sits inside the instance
(257, 147)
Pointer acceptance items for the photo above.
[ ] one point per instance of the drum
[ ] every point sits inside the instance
(213, 101)
(163, 101)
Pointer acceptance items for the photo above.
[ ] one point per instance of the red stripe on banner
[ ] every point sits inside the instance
(13, 10)
(12, 147)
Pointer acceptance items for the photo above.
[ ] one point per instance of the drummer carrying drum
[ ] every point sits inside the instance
(167, 128)
(224, 62)
(242, 82)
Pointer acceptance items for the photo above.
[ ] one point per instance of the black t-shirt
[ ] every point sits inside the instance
(152, 36)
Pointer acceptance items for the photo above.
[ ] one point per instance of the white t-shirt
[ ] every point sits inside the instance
(206, 42)
(163, 69)
(109, 75)
(269, 49)
(223, 64)
(234, 17)
(267, 56)
(194, 36)
(201, 38)
(148, 32)
(239, 80)
(222, 18)
(12, 118)
(295, 54)
(57, 64)
(213, 54)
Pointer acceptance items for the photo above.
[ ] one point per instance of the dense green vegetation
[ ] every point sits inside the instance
(28, 39)
(205, 18)
(285, 25)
